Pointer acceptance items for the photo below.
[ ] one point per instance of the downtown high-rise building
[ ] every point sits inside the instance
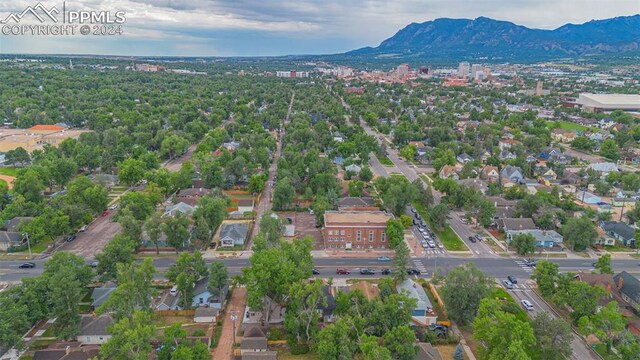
(463, 70)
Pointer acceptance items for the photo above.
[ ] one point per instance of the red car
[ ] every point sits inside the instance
(343, 272)
(105, 213)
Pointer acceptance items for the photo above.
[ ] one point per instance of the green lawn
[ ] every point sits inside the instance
(9, 171)
(449, 239)
(384, 160)
(3, 182)
(500, 293)
(565, 125)
(601, 349)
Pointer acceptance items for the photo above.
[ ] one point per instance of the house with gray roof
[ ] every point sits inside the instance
(202, 296)
(167, 301)
(233, 234)
(181, 207)
(512, 224)
(544, 238)
(93, 330)
(254, 345)
(512, 173)
(351, 202)
(464, 158)
(9, 239)
(102, 293)
(629, 287)
(619, 231)
(423, 314)
(353, 168)
(14, 224)
(587, 197)
(604, 168)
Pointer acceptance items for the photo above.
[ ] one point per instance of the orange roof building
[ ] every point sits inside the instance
(46, 128)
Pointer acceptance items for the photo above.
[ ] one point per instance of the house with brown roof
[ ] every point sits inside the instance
(490, 172)
(356, 229)
(449, 171)
(72, 350)
(605, 281)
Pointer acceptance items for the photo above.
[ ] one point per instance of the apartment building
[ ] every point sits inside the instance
(357, 230)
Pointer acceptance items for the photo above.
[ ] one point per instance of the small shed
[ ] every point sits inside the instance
(205, 315)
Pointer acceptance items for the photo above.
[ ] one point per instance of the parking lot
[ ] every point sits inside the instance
(424, 236)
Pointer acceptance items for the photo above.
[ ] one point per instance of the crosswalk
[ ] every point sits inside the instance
(433, 251)
(523, 265)
(419, 265)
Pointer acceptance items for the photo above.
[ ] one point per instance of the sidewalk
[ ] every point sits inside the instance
(236, 307)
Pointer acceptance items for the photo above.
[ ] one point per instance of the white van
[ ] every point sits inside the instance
(527, 305)
(174, 291)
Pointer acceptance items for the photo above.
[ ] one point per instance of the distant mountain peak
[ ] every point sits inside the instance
(486, 37)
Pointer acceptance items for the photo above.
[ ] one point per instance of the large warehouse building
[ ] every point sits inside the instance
(608, 102)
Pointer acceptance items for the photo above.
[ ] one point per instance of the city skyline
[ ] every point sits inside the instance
(249, 28)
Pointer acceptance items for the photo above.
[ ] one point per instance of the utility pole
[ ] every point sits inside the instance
(28, 243)
(234, 317)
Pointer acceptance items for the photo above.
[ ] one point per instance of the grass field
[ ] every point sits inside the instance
(9, 171)
(500, 293)
(449, 239)
(565, 125)
(384, 160)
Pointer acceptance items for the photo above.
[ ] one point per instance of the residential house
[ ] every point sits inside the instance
(353, 168)
(9, 239)
(448, 171)
(338, 160)
(512, 173)
(619, 231)
(628, 195)
(476, 184)
(100, 294)
(338, 137)
(548, 153)
(543, 171)
(179, 208)
(506, 155)
(202, 296)
(167, 301)
(231, 146)
(356, 203)
(514, 224)
(205, 315)
(605, 123)
(564, 136)
(254, 345)
(427, 352)
(464, 158)
(356, 229)
(276, 314)
(106, 180)
(93, 330)
(629, 287)
(507, 144)
(192, 194)
(604, 168)
(233, 234)
(241, 206)
(571, 178)
(544, 238)
(423, 314)
(586, 197)
(13, 225)
(72, 350)
(327, 311)
(490, 172)
(605, 281)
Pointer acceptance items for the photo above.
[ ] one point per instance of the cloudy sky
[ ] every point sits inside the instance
(266, 27)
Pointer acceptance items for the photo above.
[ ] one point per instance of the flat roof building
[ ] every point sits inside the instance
(355, 229)
(608, 102)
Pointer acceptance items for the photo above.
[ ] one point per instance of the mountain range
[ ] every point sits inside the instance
(494, 39)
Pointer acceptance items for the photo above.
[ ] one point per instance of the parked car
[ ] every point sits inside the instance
(507, 284)
(527, 305)
(512, 279)
(27, 265)
(464, 221)
(472, 239)
(384, 258)
(440, 246)
(84, 228)
(367, 272)
(105, 213)
(113, 207)
(531, 263)
(478, 237)
(70, 238)
(343, 272)
(315, 272)
(94, 264)
(420, 229)
(174, 291)
(413, 271)
(385, 271)
(413, 210)
(432, 244)
(415, 222)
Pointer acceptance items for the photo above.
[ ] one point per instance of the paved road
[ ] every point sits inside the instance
(87, 244)
(176, 164)
(266, 198)
(409, 171)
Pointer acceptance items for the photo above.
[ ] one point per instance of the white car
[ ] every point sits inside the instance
(464, 221)
(527, 305)
(84, 228)
(113, 207)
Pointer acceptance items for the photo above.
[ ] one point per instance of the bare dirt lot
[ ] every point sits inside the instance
(305, 224)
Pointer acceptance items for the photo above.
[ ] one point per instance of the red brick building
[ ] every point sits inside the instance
(358, 230)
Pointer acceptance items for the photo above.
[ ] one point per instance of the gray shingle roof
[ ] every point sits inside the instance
(235, 232)
(102, 293)
(10, 237)
(623, 230)
(630, 285)
(95, 326)
(415, 291)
